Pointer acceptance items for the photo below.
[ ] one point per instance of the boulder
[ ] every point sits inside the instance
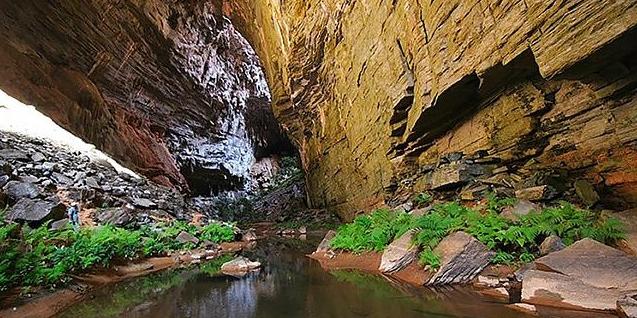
(594, 263)
(50, 166)
(144, 203)
(450, 175)
(36, 210)
(586, 192)
(37, 157)
(5, 168)
(521, 208)
(627, 305)
(551, 244)
(462, 258)
(405, 207)
(4, 199)
(29, 179)
(420, 212)
(118, 216)
(17, 190)
(399, 253)
(539, 193)
(586, 275)
(488, 281)
(558, 290)
(324, 246)
(303, 230)
(61, 179)
(185, 237)
(92, 183)
(239, 266)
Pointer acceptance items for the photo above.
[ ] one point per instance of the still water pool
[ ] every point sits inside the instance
(289, 285)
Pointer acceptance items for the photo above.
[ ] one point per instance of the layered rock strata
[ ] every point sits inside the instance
(376, 93)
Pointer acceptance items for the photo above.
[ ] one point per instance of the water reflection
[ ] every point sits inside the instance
(289, 285)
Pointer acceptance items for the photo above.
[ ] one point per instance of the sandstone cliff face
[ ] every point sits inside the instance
(168, 87)
(374, 93)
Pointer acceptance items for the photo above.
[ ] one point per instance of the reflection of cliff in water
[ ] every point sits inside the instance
(289, 285)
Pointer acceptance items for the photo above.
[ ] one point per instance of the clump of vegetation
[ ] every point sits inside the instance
(42, 257)
(423, 199)
(495, 203)
(372, 232)
(513, 241)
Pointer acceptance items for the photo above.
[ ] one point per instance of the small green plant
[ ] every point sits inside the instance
(423, 199)
(429, 257)
(502, 257)
(495, 203)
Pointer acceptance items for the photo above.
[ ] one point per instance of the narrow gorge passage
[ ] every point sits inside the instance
(309, 158)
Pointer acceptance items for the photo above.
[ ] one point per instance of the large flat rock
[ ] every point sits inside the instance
(558, 290)
(586, 275)
(594, 264)
(463, 257)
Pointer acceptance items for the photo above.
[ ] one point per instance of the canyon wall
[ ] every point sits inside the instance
(374, 93)
(168, 87)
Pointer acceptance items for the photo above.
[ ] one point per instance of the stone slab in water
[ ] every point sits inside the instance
(324, 246)
(399, 253)
(239, 266)
(586, 275)
(594, 264)
(463, 257)
(558, 290)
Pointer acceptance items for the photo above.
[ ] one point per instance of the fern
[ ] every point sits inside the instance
(429, 258)
(513, 241)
